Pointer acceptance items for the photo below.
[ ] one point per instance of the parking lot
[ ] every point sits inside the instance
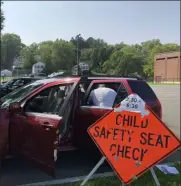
(169, 95)
(17, 172)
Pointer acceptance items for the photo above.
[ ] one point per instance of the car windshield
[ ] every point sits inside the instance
(19, 94)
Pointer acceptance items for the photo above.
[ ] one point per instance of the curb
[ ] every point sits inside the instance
(70, 180)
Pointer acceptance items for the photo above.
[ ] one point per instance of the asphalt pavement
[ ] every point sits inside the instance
(169, 95)
(17, 171)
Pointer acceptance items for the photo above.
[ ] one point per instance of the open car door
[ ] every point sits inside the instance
(4, 132)
(87, 113)
(38, 140)
(36, 134)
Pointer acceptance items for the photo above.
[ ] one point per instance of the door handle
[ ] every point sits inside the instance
(46, 125)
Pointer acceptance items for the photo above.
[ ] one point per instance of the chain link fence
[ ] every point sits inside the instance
(159, 79)
(21, 72)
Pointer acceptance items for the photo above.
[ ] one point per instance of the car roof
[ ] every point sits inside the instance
(88, 79)
(72, 79)
(33, 78)
(111, 78)
(57, 80)
(93, 77)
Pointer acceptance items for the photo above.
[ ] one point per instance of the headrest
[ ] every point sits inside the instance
(61, 93)
(52, 93)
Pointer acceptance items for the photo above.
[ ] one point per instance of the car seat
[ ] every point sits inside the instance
(47, 103)
(81, 95)
(58, 102)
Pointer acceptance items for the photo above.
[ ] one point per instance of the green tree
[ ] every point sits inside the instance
(127, 60)
(130, 63)
(91, 42)
(149, 45)
(2, 18)
(45, 52)
(63, 55)
(10, 49)
(119, 46)
(86, 54)
(110, 66)
(81, 43)
(98, 57)
(28, 55)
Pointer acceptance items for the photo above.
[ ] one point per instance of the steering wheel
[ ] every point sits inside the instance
(33, 106)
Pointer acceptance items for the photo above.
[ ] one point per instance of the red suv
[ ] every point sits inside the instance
(48, 116)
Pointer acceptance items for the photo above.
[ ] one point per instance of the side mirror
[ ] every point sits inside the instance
(15, 107)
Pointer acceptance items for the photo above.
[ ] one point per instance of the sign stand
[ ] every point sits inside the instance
(154, 177)
(93, 170)
(101, 161)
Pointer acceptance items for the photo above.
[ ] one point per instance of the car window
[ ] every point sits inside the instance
(15, 84)
(19, 94)
(122, 93)
(117, 87)
(9, 83)
(26, 81)
(18, 83)
(142, 89)
(50, 100)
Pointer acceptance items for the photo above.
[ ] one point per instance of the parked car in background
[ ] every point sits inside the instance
(46, 117)
(2, 83)
(15, 83)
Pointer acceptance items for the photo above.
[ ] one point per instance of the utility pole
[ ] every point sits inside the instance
(78, 69)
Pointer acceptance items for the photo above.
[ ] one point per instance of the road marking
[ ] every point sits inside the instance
(70, 180)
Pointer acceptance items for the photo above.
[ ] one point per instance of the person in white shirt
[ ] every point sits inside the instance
(102, 96)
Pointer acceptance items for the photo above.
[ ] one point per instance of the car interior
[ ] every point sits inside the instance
(117, 87)
(49, 100)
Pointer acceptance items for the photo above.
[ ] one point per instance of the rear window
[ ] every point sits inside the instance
(142, 89)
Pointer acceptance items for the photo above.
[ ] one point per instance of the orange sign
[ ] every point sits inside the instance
(131, 143)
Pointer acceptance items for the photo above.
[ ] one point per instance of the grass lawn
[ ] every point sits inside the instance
(6, 79)
(151, 83)
(144, 180)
